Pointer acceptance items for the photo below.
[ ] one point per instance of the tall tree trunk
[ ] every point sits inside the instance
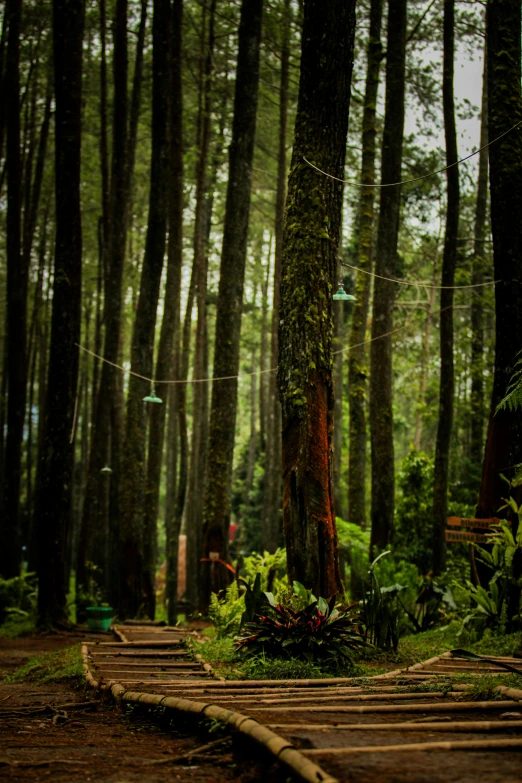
(503, 451)
(271, 520)
(449, 263)
(200, 390)
(57, 452)
(17, 271)
(184, 358)
(104, 147)
(263, 351)
(357, 358)
(425, 354)
(230, 297)
(312, 232)
(95, 517)
(170, 321)
(172, 519)
(3, 41)
(381, 393)
(338, 376)
(132, 482)
(478, 407)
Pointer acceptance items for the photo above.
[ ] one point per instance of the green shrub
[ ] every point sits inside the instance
(270, 567)
(18, 596)
(499, 605)
(226, 612)
(354, 547)
(316, 632)
(412, 534)
(381, 611)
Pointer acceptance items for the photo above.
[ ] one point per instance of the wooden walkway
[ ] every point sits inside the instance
(412, 724)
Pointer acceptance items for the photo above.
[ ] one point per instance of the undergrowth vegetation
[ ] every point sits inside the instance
(62, 666)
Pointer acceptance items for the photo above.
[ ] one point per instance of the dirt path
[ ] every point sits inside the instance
(418, 724)
(99, 742)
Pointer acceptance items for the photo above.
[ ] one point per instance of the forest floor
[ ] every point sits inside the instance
(38, 741)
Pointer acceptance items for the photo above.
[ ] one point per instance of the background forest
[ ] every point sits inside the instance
(174, 122)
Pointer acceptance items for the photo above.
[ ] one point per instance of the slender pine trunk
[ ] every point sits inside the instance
(358, 354)
(449, 263)
(170, 323)
(56, 456)
(132, 480)
(381, 393)
(478, 406)
(272, 489)
(230, 299)
(17, 272)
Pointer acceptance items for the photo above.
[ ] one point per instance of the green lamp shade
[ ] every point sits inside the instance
(152, 397)
(106, 469)
(342, 296)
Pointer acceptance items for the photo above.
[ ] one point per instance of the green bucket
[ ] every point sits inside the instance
(99, 618)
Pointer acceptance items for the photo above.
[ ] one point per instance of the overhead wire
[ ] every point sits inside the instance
(157, 381)
(415, 179)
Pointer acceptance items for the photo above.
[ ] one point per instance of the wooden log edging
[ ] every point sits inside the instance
(278, 747)
(496, 744)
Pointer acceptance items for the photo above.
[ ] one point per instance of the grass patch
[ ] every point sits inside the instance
(221, 655)
(63, 666)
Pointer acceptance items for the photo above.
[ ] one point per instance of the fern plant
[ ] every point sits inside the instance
(226, 612)
(513, 399)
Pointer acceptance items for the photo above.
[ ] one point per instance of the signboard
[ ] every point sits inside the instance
(465, 537)
(473, 523)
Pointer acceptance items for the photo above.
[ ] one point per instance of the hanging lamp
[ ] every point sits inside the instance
(341, 295)
(152, 397)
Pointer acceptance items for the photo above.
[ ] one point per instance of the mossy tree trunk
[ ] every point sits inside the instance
(503, 450)
(310, 245)
(56, 455)
(271, 524)
(381, 395)
(132, 481)
(449, 262)
(230, 299)
(357, 359)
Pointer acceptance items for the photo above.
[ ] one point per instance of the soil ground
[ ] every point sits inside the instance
(102, 742)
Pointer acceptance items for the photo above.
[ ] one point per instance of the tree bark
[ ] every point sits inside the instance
(56, 456)
(503, 450)
(449, 263)
(230, 298)
(200, 366)
(381, 393)
(478, 407)
(312, 231)
(338, 375)
(170, 321)
(357, 358)
(425, 354)
(272, 490)
(95, 517)
(132, 482)
(17, 271)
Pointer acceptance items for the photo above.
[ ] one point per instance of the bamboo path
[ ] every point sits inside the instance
(411, 713)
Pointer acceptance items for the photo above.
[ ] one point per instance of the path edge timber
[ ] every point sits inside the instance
(278, 747)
